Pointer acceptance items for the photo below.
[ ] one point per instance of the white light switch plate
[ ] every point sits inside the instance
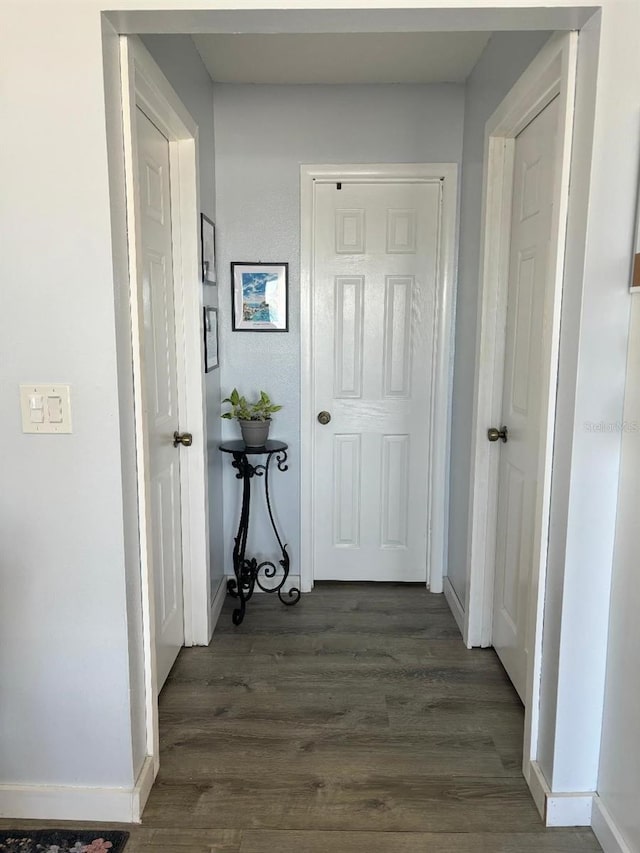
(45, 408)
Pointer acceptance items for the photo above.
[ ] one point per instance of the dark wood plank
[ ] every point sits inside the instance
(374, 802)
(554, 841)
(355, 722)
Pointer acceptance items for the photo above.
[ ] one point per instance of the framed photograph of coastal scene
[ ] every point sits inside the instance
(260, 297)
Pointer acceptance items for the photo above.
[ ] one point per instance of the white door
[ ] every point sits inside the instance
(160, 390)
(531, 221)
(374, 286)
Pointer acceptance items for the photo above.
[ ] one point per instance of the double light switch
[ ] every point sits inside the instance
(45, 408)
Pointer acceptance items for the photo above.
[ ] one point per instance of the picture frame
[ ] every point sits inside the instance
(211, 356)
(208, 250)
(634, 284)
(260, 296)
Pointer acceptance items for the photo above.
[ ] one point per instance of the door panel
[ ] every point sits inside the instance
(375, 268)
(160, 390)
(518, 468)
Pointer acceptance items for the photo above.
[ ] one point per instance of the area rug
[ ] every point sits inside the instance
(61, 841)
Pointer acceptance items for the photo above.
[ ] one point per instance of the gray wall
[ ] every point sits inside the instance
(502, 62)
(262, 135)
(181, 64)
(619, 777)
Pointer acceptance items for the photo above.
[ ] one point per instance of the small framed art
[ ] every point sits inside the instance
(210, 339)
(208, 247)
(260, 297)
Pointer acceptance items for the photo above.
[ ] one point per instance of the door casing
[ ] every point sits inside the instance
(144, 86)
(551, 74)
(442, 366)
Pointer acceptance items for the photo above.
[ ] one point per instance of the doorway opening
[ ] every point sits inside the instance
(232, 233)
(377, 279)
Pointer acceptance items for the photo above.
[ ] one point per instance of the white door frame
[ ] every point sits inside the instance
(551, 74)
(144, 86)
(436, 516)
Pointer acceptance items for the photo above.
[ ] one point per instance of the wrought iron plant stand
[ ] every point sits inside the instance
(248, 572)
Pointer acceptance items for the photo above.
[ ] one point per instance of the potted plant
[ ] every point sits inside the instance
(254, 418)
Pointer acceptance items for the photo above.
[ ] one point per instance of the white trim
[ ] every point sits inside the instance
(217, 604)
(142, 788)
(571, 809)
(65, 802)
(144, 86)
(539, 788)
(437, 510)
(551, 74)
(451, 597)
(605, 829)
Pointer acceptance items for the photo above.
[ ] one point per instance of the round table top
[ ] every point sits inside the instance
(239, 446)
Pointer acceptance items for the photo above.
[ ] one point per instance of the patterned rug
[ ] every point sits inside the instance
(61, 841)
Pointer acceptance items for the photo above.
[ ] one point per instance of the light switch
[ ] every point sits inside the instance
(54, 409)
(45, 408)
(36, 408)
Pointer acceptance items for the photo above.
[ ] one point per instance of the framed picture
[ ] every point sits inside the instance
(260, 297)
(210, 339)
(208, 246)
(635, 263)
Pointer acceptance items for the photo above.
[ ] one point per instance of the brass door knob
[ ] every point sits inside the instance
(494, 434)
(183, 438)
(324, 418)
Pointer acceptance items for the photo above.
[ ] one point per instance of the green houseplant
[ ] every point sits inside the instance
(254, 418)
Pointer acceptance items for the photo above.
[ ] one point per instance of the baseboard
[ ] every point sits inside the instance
(216, 605)
(455, 606)
(572, 809)
(605, 830)
(569, 809)
(64, 802)
(538, 787)
(142, 789)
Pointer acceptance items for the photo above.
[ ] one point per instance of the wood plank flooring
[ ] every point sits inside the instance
(355, 722)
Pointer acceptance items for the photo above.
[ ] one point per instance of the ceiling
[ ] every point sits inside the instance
(403, 57)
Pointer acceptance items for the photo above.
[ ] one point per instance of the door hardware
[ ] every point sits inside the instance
(324, 418)
(183, 438)
(494, 434)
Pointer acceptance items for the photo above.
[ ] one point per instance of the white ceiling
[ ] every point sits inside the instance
(408, 57)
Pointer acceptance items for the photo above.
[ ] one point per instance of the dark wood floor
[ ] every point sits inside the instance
(355, 722)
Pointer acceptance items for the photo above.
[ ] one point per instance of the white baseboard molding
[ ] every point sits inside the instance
(65, 802)
(572, 809)
(216, 605)
(142, 789)
(454, 604)
(538, 787)
(569, 809)
(605, 830)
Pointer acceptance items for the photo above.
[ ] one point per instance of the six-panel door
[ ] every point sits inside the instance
(160, 390)
(374, 286)
(518, 469)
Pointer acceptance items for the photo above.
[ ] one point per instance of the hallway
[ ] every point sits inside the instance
(355, 722)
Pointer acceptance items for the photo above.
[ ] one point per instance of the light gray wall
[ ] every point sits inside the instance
(619, 777)
(502, 62)
(65, 699)
(181, 64)
(262, 135)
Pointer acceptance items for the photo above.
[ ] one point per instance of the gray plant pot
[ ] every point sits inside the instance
(255, 433)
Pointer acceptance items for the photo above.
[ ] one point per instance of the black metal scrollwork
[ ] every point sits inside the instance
(248, 572)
